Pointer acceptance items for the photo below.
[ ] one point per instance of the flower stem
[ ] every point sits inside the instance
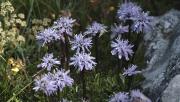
(129, 82)
(129, 79)
(83, 83)
(96, 49)
(62, 54)
(136, 45)
(119, 66)
(66, 52)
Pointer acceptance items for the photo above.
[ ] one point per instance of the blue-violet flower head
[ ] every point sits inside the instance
(128, 11)
(131, 70)
(120, 97)
(83, 61)
(142, 23)
(95, 28)
(46, 84)
(50, 83)
(121, 48)
(81, 43)
(62, 79)
(117, 30)
(48, 61)
(46, 36)
(136, 95)
(64, 26)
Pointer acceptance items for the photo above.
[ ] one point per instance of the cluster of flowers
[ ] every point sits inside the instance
(56, 79)
(133, 20)
(127, 12)
(11, 24)
(61, 27)
(80, 43)
(39, 24)
(141, 20)
(53, 81)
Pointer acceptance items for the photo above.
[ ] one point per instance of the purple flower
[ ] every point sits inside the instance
(136, 95)
(95, 28)
(45, 83)
(62, 79)
(120, 97)
(131, 71)
(122, 48)
(64, 26)
(117, 30)
(142, 22)
(51, 82)
(128, 11)
(48, 62)
(47, 36)
(80, 43)
(83, 61)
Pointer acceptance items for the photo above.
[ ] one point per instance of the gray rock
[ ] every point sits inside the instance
(172, 92)
(162, 54)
